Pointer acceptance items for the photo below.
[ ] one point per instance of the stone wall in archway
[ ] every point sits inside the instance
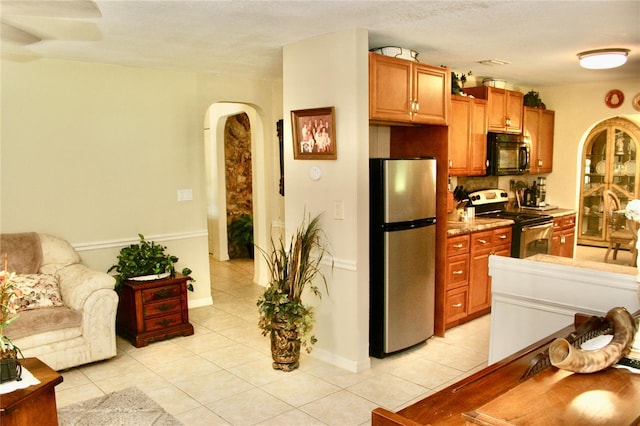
(238, 173)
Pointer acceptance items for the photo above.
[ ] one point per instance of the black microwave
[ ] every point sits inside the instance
(507, 154)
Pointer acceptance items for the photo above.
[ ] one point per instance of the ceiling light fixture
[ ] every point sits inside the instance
(602, 59)
(493, 62)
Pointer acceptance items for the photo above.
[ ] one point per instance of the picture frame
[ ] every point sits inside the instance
(314, 134)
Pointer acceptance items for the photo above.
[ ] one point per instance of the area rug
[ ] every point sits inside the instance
(128, 407)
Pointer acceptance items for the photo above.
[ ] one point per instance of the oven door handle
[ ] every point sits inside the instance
(539, 226)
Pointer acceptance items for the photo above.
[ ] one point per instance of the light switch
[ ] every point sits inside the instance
(338, 210)
(185, 194)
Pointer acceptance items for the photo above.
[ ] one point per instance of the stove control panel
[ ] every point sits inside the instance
(488, 196)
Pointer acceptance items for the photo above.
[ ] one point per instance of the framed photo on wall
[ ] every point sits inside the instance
(314, 134)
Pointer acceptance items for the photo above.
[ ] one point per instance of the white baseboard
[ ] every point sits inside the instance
(344, 363)
(202, 301)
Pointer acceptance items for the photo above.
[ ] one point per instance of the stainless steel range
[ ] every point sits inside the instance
(532, 233)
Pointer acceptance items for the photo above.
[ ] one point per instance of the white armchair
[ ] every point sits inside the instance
(81, 331)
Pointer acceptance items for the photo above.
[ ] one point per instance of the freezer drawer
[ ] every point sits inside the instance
(408, 287)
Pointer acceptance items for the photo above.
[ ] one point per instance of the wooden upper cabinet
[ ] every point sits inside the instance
(538, 128)
(403, 91)
(467, 136)
(504, 108)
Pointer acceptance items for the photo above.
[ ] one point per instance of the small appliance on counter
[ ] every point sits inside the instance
(534, 197)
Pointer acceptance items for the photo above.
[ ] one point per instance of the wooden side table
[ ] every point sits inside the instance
(35, 405)
(153, 310)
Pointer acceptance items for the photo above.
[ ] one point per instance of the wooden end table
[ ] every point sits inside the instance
(35, 405)
(153, 310)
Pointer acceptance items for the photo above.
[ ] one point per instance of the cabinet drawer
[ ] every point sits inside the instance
(568, 222)
(457, 271)
(457, 245)
(162, 322)
(481, 241)
(159, 293)
(166, 306)
(502, 236)
(456, 304)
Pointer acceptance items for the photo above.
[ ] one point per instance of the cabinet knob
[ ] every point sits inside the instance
(457, 305)
(502, 237)
(508, 121)
(483, 242)
(458, 245)
(458, 272)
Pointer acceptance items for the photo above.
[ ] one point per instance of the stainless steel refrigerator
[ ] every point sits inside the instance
(402, 253)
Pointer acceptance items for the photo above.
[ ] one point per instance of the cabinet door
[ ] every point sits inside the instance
(545, 146)
(513, 108)
(390, 88)
(531, 131)
(479, 292)
(478, 142)
(431, 94)
(459, 133)
(497, 112)
(568, 239)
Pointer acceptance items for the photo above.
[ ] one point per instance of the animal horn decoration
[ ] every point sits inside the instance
(567, 357)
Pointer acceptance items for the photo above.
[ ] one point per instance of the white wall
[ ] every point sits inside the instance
(95, 153)
(578, 109)
(332, 70)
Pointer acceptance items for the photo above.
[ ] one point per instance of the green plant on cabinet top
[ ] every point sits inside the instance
(145, 258)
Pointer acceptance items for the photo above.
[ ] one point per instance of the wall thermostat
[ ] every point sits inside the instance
(315, 173)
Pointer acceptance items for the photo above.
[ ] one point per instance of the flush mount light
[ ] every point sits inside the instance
(603, 58)
(493, 62)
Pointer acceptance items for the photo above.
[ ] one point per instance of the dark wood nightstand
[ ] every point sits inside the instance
(153, 310)
(35, 404)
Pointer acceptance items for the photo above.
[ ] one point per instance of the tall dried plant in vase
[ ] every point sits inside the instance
(283, 315)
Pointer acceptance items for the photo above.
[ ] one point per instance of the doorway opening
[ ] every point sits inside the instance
(220, 210)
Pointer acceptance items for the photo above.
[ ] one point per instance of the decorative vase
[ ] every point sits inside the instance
(10, 368)
(285, 348)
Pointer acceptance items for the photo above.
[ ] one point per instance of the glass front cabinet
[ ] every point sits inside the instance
(608, 162)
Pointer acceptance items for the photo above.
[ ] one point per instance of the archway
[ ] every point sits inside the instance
(215, 119)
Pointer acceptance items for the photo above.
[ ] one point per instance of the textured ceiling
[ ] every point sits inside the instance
(540, 39)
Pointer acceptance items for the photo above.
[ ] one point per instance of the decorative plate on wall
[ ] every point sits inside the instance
(636, 102)
(614, 98)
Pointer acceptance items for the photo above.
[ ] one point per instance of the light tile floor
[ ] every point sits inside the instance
(222, 374)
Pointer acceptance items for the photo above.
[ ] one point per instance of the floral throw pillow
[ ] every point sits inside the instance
(38, 291)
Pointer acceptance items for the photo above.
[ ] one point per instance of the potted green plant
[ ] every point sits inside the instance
(532, 100)
(146, 259)
(241, 232)
(458, 82)
(283, 315)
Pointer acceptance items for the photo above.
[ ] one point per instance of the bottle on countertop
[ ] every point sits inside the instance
(534, 195)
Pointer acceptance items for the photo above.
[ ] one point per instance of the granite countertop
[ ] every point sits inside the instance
(598, 266)
(475, 224)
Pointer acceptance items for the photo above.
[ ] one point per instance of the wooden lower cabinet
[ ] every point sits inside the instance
(153, 310)
(564, 236)
(468, 285)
